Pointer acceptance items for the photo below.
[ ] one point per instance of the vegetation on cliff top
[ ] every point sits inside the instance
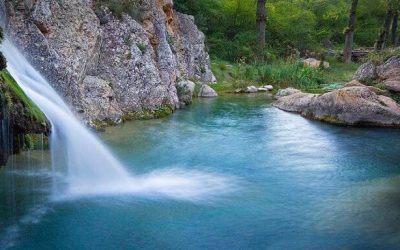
(17, 94)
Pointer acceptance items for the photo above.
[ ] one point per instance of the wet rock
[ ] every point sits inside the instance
(353, 105)
(16, 122)
(207, 91)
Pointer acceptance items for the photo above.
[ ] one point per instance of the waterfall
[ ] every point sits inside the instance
(88, 166)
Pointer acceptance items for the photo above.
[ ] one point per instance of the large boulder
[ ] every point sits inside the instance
(353, 105)
(366, 72)
(387, 73)
(207, 91)
(185, 90)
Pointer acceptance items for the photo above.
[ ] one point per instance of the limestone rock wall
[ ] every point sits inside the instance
(104, 66)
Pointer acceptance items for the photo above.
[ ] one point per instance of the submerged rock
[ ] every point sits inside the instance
(207, 91)
(351, 105)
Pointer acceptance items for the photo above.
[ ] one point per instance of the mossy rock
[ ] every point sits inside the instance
(100, 125)
(149, 114)
(16, 94)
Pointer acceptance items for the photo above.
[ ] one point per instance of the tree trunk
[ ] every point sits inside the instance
(384, 35)
(395, 37)
(260, 25)
(348, 44)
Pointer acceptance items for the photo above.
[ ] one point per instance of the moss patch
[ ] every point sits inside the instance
(148, 114)
(100, 125)
(17, 94)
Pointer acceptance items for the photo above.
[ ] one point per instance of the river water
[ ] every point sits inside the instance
(295, 184)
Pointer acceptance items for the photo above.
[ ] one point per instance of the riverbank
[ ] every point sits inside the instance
(281, 74)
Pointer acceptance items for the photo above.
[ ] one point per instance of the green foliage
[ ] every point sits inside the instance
(302, 24)
(28, 142)
(281, 74)
(290, 73)
(18, 93)
(380, 57)
(142, 47)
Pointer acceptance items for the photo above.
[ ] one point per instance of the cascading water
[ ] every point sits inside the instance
(90, 167)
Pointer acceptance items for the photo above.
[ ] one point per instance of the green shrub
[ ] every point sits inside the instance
(289, 73)
(380, 57)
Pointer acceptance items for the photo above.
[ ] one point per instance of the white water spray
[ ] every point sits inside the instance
(90, 168)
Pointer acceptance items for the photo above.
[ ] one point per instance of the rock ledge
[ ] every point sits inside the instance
(355, 104)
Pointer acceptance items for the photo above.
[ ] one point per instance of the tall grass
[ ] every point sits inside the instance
(290, 73)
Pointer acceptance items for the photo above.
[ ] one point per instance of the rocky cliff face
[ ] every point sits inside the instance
(106, 67)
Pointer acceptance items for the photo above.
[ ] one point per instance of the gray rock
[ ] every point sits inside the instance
(389, 69)
(251, 89)
(286, 92)
(356, 105)
(99, 100)
(185, 90)
(269, 87)
(207, 91)
(392, 85)
(366, 72)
